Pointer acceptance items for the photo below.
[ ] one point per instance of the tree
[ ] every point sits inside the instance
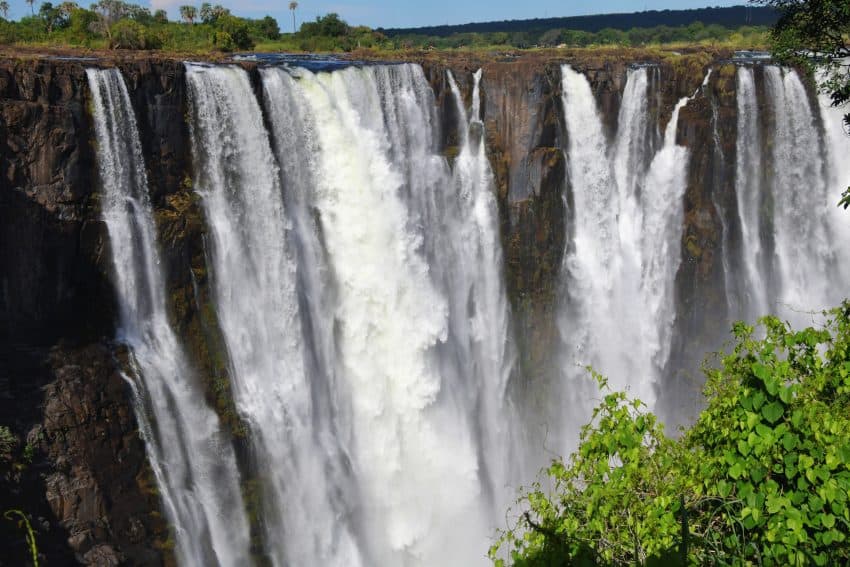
(108, 13)
(330, 25)
(206, 13)
(762, 478)
(267, 27)
(160, 17)
(53, 17)
(130, 34)
(292, 7)
(81, 23)
(813, 33)
(67, 7)
(4, 7)
(188, 13)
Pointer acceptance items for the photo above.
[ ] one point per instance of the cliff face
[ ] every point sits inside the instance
(79, 466)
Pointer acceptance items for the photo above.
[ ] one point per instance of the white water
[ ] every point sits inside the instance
(371, 354)
(255, 283)
(484, 333)
(625, 245)
(748, 190)
(662, 231)
(412, 448)
(192, 460)
(804, 261)
(792, 266)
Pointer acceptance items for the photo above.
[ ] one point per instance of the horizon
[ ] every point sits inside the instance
(389, 14)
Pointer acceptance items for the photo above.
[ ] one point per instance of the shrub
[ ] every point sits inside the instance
(223, 41)
(763, 476)
(237, 29)
(129, 34)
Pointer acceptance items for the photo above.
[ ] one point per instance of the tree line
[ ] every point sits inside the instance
(116, 24)
(730, 18)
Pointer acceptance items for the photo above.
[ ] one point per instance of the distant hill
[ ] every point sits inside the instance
(732, 17)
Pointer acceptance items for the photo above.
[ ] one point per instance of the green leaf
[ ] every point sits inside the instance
(736, 471)
(828, 520)
(789, 441)
(761, 371)
(743, 447)
(772, 412)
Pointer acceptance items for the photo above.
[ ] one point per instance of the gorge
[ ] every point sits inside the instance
(298, 312)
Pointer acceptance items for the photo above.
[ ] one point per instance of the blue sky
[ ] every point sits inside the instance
(406, 13)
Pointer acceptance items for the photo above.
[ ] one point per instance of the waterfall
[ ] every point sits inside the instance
(193, 461)
(255, 279)
(748, 191)
(837, 145)
(358, 278)
(662, 236)
(411, 443)
(804, 262)
(478, 300)
(788, 207)
(621, 264)
(589, 263)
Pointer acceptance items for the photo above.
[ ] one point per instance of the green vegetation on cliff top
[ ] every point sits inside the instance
(114, 24)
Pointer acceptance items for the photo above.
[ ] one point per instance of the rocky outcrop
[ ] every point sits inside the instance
(79, 469)
(100, 488)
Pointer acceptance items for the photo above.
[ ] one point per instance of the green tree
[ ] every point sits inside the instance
(236, 29)
(108, 13)
(4, 7)
(762, 478)
(292, 7)
(53, 18)
(188, 13)
(267, 28)
(330, 25)
(130, 34)
(814, 33)
(81, 23)
(206, 13)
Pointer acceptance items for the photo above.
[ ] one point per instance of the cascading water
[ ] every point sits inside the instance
(192, 460)
(373, 375)
(359, 286)
(412, 446)
(591, 264)
(804, 262)
(255, 284)
(748, 191)
(787, 207)
(621, 264)
(661, 242)
(479, 300)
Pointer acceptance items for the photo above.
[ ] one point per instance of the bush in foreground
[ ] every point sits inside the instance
(762, 477)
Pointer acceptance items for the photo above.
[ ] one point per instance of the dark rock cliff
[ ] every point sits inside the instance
(79, 468)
